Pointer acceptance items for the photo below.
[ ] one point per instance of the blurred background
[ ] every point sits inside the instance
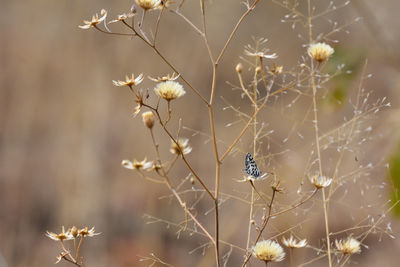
(64, 128)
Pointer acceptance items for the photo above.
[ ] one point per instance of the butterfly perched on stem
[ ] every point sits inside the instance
(251, 167)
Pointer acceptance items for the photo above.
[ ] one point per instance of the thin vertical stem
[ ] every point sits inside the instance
(291, 257)
(315, 121)
(254, 100)
(266, 220)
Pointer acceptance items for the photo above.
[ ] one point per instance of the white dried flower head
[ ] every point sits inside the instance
(183, 145)
(129, 81)
(268, 250)
(293, 243)
(260, 54)
(85, 232)
(348, 246)
(61, 236)
(320, 181)
(123, 17)
(95, 20)
(320, 51)
(148, 119)
(165, 78)
(137, 165)
(148, 4)
(169, 90)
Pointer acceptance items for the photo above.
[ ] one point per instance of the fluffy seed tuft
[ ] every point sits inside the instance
(320, 181)
(268, 250)
(169, 90)
(348, 246)
(320, 51)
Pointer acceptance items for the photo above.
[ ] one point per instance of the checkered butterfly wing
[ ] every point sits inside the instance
(251, 166)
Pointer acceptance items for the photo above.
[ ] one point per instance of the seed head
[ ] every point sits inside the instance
(137, 165)
(95, 20)
(85, 232)
(61, 236)
(320, 51)
(183, 145)
(169, 90)
(165, 78)
(268, 250)
(148, 4)
(123, 17)
(129, 81)
(260, 54)
(148, 119)
(293, 243)
(320, 181)
(348, 246)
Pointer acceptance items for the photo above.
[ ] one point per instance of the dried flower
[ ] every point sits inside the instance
(137, 165)
(165, 78)
(85, 232)
(276, 70)
(268, 250)
(148, 4)
(260, 54)
(123, 17)
(293, 243)
(183, 145)
(169, 90)
(157, 167)
(320, 51)
(61, 236)
(148, 119)
(132, 81)
(139, 100)
(320, 181)
(95, 20)
(348, 246)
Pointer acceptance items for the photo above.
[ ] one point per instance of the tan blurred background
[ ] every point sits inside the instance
(64, 128)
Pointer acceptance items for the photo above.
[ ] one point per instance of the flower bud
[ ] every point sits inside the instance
(239, 68)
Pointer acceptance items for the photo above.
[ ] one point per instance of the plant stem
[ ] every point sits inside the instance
(266, 220)
(315, 121)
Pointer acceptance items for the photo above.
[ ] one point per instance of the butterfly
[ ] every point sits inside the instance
(251, 167)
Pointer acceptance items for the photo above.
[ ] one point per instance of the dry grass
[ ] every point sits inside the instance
(66, 129)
